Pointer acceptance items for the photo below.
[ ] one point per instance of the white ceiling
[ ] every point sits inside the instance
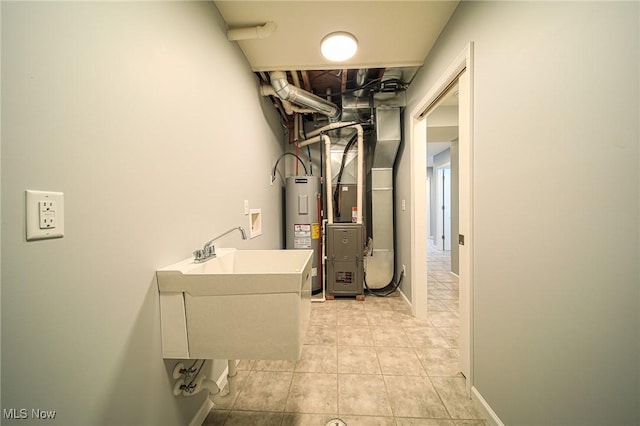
(390, 33)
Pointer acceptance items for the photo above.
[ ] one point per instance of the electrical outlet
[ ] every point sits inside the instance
(246, 207)
(47, 214)
(44, 215)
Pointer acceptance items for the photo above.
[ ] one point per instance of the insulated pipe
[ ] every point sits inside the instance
(360, 181)
(289, 108)
(331, 126)
(296, 79)
(296, 95)
(361, 79)
(311, 141)
(360, 177)
(328, 185)
(300, 128)
(252, 33)
(323, 256)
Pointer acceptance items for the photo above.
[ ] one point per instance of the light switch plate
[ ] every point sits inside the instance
(44, 215)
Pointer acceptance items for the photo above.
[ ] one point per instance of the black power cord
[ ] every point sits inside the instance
(273, 173)
(386, 290)
(336, 193)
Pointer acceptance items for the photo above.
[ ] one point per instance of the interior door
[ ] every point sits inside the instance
(465, 223)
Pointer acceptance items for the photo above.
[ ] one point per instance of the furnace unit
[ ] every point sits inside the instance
(345, 263)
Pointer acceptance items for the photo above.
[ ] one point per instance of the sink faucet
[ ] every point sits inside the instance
(209, 251)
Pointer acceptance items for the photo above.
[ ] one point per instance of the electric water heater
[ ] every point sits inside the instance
(302, 207)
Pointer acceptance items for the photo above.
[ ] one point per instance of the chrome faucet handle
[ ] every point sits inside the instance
(205, 253)
(198, 255)
(210, 251)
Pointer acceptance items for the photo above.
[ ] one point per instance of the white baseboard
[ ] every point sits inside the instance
(207, 405)
(405, 299)
(454, 274)
(482, 405)
(202, 413)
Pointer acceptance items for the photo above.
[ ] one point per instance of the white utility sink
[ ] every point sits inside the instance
(244, 304)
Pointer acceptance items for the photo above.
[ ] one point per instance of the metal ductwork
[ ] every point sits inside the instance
(361, 79)
(295, 95)
(380, 265)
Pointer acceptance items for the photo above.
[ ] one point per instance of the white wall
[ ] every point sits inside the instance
(556, 102)
(150, 122)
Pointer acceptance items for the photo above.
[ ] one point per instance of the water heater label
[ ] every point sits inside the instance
(302, 236)
(315, 231)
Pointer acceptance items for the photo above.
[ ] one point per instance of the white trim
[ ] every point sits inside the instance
(405, 299)
(484, 407)
(418, 157)
(418, 168)
(454, 274)
(202, 413)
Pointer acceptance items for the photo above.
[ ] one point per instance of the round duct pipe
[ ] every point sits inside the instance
(298, 96)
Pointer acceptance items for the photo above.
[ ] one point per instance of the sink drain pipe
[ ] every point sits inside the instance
(202, 383)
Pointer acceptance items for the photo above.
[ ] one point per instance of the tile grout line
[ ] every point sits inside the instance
(440, 262)
(440, 397)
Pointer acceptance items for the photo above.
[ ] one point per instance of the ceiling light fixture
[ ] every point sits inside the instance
(338, 46)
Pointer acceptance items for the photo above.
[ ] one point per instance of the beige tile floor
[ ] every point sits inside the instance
(368, 363)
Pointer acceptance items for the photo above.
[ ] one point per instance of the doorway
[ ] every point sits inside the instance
(459, 72)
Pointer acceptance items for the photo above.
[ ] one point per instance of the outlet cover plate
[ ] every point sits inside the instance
(35, 200)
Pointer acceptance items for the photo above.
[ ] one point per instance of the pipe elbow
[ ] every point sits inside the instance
(281, 85)
(252, 33)
(301, 97)
(266, 30)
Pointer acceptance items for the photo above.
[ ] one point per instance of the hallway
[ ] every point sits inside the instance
(367, 363)
(442, 301)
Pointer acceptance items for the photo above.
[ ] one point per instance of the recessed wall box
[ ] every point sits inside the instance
(255, 223)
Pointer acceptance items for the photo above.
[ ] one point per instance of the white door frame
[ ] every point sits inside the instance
(418, 160)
